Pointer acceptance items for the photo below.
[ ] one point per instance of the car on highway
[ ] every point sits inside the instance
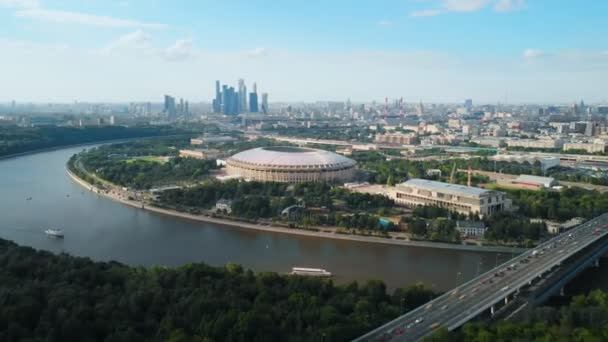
(505, 288)
(444, 307)
(419, 320)
(385, 337)
(434, 325)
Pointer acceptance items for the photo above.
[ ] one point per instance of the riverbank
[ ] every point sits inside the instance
(292, 231)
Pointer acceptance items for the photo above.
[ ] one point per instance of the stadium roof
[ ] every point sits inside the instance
(291, 156)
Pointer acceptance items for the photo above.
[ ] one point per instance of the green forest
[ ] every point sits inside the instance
(584, 319)
(126, 164)
(254, 200)
(18, 140)
(47, 297)
(559, 205)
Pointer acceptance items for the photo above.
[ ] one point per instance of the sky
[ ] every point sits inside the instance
(514, 51)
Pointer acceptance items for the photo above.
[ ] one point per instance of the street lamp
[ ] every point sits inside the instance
(478, 266)
(458, 276)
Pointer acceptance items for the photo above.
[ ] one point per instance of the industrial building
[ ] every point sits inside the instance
(545, 162)
(535, 182)
(459, 198)
(290, 164)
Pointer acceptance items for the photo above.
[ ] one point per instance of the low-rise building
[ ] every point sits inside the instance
(474, 229)
(398, 138)
(200, 153)
(535, 182)
(206, 139)
(224, 205)
(587, 147)
(545, 162)
(536, 143)
(489, 141)
(458, 198)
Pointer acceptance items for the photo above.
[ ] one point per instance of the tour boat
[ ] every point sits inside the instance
(314, 272)
(54, 232)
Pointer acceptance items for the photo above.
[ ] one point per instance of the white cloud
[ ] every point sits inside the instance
(509, 5)
(180, 50)
(384, 23)
(533, 53)
(133, 40)
(32, 9)
(257, 52)
(425, 13)
(476, 5)
(465, 5)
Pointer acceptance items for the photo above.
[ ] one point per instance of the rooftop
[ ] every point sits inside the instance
(535, 179)
(291, 156)
(445, 187)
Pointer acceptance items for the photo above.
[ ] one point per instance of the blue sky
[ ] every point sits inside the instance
(422, 50)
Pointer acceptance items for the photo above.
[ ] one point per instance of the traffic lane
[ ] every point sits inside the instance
(549, 258)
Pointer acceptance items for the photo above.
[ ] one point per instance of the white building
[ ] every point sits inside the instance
(587, 147)
(200, 153)
(476, 229)
(224, 205)
(545, 162)
(459, 198)
(534, 143)
(535, 182)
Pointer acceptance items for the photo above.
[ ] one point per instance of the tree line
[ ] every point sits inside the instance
(18, 140)
(48, 297)
(252, 200)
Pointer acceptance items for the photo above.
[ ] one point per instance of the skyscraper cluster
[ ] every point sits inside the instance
(230, 101)
(172, 111)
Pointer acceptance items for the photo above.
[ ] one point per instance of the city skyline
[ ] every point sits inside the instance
(512, 51)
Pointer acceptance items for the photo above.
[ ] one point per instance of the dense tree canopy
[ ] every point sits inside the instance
(560, 205)
(17, 140)
(254, 200)
(46, 297)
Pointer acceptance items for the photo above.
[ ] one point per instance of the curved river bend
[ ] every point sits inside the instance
(101, 229)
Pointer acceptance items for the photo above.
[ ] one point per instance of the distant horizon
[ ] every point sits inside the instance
(529, 51)
(355, 102)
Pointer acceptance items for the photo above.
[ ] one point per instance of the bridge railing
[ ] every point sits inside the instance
(421, 308)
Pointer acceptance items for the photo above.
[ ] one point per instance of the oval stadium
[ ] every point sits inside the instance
(290, 164)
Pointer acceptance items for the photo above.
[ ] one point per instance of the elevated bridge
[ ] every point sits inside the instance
(524, 281)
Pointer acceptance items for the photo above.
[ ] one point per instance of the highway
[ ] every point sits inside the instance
(456, 307)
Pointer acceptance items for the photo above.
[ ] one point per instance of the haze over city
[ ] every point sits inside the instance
(515, 51)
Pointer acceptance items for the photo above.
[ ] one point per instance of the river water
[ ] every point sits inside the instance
(101, 229)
